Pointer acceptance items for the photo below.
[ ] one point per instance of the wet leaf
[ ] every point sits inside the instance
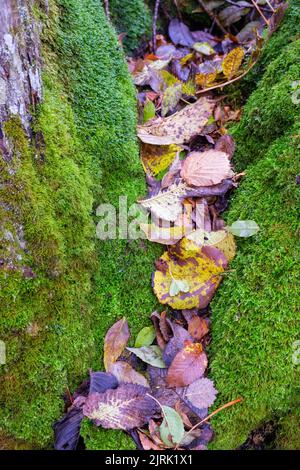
(180, 33)
(179, 127)
(126, 374)
(171, 98)
(244, 228)
(232, 62)
(172, 428)
(150, 354)
(145, 337)
(126, 407)
(159, 389)
(200, 268)
(67, 430)
(233, 14)
(144, 77)
(188, 365)
(201, 393)
(206, 168)
(149, 111)
(175, 344)
(157, 158)
(115, 341)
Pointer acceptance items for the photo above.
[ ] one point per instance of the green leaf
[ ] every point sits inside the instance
(145, 337)
(150, 354)
(172, 427)
(149, 111)
(204, 48)
(178, 286)
(244, 228)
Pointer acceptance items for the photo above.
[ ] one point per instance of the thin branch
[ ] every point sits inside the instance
(227, 405)
(221, 85)
(106, 6)
(260, 12)
(213, 17)
(155, 15)
(270, 5)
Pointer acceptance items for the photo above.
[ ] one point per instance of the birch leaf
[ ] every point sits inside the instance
(232, 62)
(206, 168)
(179, 127)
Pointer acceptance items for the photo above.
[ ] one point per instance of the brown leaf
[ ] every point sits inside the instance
(125, 373)
(206, 168)
(198, 327)
(179, 127)
(115, 341)
(147, 443)
(226, 144)
(188, 365)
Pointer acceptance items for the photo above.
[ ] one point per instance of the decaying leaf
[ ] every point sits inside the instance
(172, 428)
(244, 228)
(166, 205)
(206, 168)
(149, 354)
(159, 389)
(171, 98)
(178, 285)
(67, 429)
(223, 240)
(198, 327)
(188, 365)
(232, 14)
(115, 341)
(203, 48)
(126, 407)
(149, 111)
(157, 158)
(163, 235)
(232, 62)
(201, 270)
(179, 127)
(102, 381)
(176, 344)
(180, 33)
(126, 374)
(201, 393)
(206, 79)
(144, 77)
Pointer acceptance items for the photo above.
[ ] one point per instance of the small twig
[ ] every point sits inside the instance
(260, 12)
(213, 17)
(270, 5)
(106, 6)
(221, 85)
(155, 15)
(227, 405)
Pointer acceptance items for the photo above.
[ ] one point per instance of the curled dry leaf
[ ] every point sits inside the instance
(179, 127)
(188, 365)
(126, 407)
(206, 168)
(201, 270)
(126, 374)
(115, 341)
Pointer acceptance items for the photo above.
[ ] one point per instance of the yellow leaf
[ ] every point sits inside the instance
(163, 235)
(169, 79)
(205, 80)
(232, 62)
(179, 127)
(157, 158)
(186, 58)
(199, 267)
(189, 88)
(220, 239)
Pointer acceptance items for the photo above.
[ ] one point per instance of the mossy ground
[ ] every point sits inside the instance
(255, 315)
(54, 325)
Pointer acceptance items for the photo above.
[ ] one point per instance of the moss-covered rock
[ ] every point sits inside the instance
(84, 153)
(255, 316)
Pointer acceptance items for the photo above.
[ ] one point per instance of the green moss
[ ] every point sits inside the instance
(85, 153)
(287, 436)
(132, 18)
(254, 315)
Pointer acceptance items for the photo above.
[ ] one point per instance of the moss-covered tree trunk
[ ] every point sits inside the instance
(67, 144)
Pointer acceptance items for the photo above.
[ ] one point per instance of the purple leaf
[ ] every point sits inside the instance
(67, 429)
(180, 33)
(175, 344)
(102, 381)
(127, 407)
(159, 390)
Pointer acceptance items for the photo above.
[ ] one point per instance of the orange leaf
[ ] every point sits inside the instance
(115, 341)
